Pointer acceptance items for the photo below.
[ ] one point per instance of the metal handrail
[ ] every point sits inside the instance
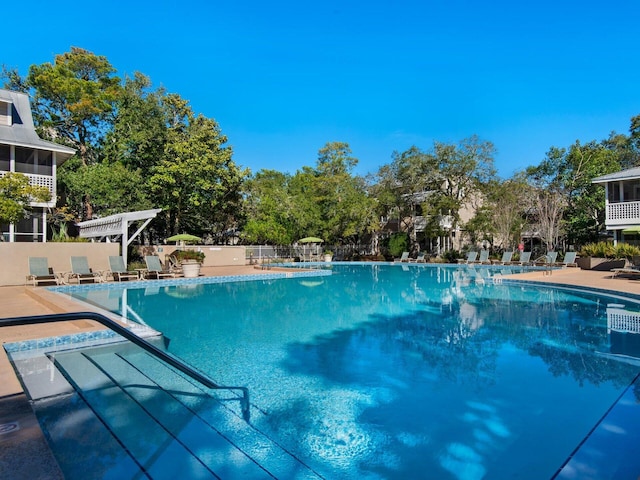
(133, 338)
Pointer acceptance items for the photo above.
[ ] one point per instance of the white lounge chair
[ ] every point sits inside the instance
(404, 257)
(418, 259)
(471, 258)
(484, 257)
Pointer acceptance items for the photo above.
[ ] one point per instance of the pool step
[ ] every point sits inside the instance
(170, 426)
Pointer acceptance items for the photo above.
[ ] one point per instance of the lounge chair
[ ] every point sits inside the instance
(548, 259)
(40, 272)
(628, 270)
(81, 272)
(484, 257)
(174, 265)
(404, 257)
(154, 268)
(119, 271)
(506, 258)
(569, 260)
(471, 258)
(525, 258)
(418, 259)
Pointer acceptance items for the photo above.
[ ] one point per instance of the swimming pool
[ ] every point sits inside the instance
(396, 371)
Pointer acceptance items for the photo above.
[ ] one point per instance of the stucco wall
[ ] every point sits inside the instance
(214, 255)
(14, 257)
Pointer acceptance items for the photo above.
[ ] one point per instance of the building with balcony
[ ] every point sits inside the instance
(23, 151)
(622, 203)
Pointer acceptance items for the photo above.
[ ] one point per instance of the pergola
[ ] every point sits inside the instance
(116, 227)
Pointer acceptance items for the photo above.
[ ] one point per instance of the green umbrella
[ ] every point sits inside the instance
(310, 240)
(629, 230)
(184, 237)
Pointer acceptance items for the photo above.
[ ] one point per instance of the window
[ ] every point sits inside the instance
(29, 229)
(25, 160)
(39, 162)
(614, 192)
(5, 158)
(5, 112)
(631, 191)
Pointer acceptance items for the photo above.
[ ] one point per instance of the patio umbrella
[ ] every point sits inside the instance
(184, 237)
(629, 230)
(310, 240)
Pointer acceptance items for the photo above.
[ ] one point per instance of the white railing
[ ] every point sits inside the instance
(623, 213)
(622, 320)
(46, 181)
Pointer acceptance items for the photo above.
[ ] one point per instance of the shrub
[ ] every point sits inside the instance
(181, 255)
(608, 250)
(398, 243)
(451, 256)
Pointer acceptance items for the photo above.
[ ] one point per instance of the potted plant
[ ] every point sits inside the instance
(190, 260)
(328, 255)
(605, 256)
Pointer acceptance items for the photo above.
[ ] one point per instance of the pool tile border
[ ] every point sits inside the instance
(190, 281)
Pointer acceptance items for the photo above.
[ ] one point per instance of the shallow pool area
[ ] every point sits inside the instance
(388, 370)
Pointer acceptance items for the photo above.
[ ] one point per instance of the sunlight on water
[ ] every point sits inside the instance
(380, 371)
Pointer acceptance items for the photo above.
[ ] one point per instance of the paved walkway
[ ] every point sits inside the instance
(26, 451)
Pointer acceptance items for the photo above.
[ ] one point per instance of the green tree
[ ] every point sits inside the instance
(565, 176)
(402, 186)
(139, 132)
(197, 184)
(113, 187)
(15, 196)
(268, 209)
(346, 208)
(74, 100)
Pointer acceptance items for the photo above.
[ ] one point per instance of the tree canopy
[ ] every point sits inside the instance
(142, 147)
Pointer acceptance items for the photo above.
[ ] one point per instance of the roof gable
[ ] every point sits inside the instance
(22, 131)
(629, 174)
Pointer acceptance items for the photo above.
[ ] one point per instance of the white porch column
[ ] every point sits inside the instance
(44, 225)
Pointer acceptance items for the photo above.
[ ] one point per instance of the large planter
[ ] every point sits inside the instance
(600, 263)
(327, 257)
(190, 268)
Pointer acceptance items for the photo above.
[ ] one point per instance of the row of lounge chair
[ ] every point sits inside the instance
(41, 274)
(550, 259)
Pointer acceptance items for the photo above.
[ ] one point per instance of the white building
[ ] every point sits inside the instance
(22, 151)
(622, 204)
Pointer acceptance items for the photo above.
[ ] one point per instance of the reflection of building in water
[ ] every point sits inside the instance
(623, 327)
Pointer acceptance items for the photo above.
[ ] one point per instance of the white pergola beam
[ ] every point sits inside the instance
(116, 227)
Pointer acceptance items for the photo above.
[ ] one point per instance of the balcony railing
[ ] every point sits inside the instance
(623, 213)
(47, 181)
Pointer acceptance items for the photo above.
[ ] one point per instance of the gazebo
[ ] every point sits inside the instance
(116, 227)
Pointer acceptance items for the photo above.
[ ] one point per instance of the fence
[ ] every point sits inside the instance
(265, 253)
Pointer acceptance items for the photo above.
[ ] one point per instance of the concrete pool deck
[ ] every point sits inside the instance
(25, 450)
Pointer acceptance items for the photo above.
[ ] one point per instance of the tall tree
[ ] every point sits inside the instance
(196, 183)
(74, 100)
(139, 132)
(567, 175)
(346, 208)
(268, 209)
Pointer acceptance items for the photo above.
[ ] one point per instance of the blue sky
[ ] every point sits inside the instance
(282, 78)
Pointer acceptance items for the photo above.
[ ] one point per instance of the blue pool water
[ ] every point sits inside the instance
(390, 371)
